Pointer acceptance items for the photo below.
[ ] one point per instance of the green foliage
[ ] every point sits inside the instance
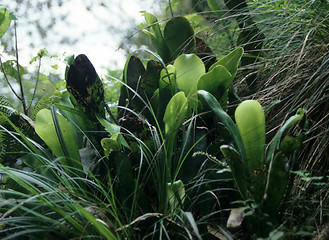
(176, 194)
(175, 113)
(5, 19)
(58, 134)
(267, 184)
(179, 36)
(85, 86)
(189, 68)
(10, 68)
(250, 121)
(161, 171)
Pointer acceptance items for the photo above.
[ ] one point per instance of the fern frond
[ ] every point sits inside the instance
(44, 102)
(6, 108)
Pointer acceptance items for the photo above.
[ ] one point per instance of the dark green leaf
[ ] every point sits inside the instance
(179, 36)
(85, 86)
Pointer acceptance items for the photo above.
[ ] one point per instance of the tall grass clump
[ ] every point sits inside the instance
(291, 71)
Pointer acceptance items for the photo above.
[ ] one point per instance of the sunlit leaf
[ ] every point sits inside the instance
(250, 120)
(45, 127)
(189, 69)
(230, 61)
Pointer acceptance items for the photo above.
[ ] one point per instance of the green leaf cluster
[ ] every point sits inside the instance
(261, 176)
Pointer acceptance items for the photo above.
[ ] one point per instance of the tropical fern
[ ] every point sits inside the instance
(44, 102)
(10, 148)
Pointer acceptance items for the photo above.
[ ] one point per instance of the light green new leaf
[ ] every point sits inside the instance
(176, 194)
(250, 120)
(175, 113)
(168, 78)
(63, 144)
(230, 61)
(167, 88)
(189, 69)
(114, 130)
(111, 144)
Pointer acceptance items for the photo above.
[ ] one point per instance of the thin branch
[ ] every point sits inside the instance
(111, 114)
(36, 84)
(19, 74)
(6, 77)
(171, 11)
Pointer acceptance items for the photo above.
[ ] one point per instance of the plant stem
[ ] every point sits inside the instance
(171, 11)
(22, 98)
(6, 77)
(36, 84)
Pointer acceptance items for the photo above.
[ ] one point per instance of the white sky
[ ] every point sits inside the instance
(91, 28)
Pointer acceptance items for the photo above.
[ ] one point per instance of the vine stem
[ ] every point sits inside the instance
(22, 98)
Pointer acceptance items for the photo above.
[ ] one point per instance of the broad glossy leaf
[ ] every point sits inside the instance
(175, 113)
(217, 81)
(134, 70)
(167, 88)
(179, 36)
(168, 78)
(189, 69)
(230, 61)
(250, 120)
(45, 128)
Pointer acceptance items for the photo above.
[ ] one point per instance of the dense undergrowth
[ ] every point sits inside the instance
(219, 132)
